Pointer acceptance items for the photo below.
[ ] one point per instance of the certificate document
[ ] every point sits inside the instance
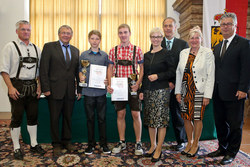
(97, 75)
(120, 86)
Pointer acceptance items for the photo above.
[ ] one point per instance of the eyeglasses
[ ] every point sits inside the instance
(156, 37)
(65, 33)
(226, 24)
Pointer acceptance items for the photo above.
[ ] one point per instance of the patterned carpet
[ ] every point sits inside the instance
(98, 159)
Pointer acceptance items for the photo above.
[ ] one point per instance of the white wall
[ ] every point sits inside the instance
(11, 11)
(172, 13)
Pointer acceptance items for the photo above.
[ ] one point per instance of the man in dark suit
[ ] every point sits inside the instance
(58, 71)
(232, 68)
(175, 46)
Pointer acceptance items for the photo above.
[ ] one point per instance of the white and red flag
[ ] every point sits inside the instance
(212, 10)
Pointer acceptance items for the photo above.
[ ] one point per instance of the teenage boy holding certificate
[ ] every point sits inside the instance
(91, 61)
(125, 58)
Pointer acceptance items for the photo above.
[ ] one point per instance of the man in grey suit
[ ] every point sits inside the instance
(174, 46)
(58, 71)
(232, 68)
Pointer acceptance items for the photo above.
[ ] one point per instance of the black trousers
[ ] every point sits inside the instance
(178, 123)
(98, 104)
(27, 102)
(57, 108)
(229, 122)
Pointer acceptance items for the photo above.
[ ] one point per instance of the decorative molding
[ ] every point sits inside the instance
(248, 21)
(190, 15)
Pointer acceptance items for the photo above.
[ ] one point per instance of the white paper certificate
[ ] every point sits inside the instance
(97, 76)
(120, 86)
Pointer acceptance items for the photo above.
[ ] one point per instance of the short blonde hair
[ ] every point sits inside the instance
(194, 30)
(95, 32)
(156, 30)
(124, 26)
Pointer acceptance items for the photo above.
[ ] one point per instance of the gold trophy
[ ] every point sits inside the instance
(133, 82)
(85, 64)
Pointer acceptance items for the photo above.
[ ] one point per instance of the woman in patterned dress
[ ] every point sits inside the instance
(158, 69)
(194, 87)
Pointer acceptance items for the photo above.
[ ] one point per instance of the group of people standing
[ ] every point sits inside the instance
(173, 78)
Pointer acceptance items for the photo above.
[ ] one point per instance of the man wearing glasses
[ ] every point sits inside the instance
(58, 72)
(232, 68)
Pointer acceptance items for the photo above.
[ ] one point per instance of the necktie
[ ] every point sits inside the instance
(224, 48)
(67, 55)
(168, 45)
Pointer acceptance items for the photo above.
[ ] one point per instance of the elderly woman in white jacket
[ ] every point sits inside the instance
(194, 87)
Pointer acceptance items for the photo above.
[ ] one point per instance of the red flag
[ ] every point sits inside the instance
(240, 9)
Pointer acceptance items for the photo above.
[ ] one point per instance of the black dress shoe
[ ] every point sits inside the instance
(227, 160)
(184, 153)
(156, 159)
(216, 153)
(18, 155)
(192, 155)
(70, 147)
(149, 154)
(179, 146)
(37, 149)
(57, 151)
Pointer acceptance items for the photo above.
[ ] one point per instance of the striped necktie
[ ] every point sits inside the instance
(168, 45)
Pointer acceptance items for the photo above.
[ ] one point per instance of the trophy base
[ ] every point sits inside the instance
(83, 84)
(133, 93)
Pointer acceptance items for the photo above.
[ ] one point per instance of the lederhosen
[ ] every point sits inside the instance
(128, 63)
(27, 88)
(125, 63)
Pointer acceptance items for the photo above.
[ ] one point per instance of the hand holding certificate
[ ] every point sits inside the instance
(97, 76)
(120, 87)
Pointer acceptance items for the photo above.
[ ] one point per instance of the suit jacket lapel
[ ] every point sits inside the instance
(231, 46)
(198, 54)
(186, 55)
(163, 43)
(217, 52)
(61, 55)
(175, 45)
(73, 53)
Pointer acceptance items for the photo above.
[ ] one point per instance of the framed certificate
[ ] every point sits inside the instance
(120, 86)
(97, 76)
